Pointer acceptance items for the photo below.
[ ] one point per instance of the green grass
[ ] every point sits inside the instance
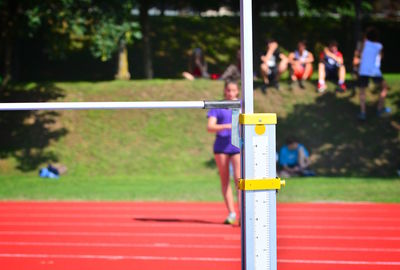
(167, 154)
(333, 189)
(191, 188)
(115, 188)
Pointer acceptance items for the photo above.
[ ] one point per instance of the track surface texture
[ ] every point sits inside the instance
(148, 235)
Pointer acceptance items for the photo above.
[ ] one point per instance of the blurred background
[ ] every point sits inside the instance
(94, 50)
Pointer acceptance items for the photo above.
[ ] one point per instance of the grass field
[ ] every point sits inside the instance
(191, 188)
(167, 154)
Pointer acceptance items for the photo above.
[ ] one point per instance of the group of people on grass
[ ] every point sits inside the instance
(366, 64)
(293, 157)
(300, 65)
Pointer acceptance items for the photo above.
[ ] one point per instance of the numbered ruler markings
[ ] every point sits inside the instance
(261, 205)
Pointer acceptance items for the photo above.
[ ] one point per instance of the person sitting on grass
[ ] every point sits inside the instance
(331, 67)
(197, 66)
(370, 68)
(294, 159)
(232, 72)
(273, 64)
(301, 64)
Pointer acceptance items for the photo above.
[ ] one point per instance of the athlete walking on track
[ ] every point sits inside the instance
(220, 122)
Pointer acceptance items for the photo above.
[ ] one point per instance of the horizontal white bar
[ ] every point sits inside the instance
(205, 104)
(225, 236)
(201, 246)
(120, 245)
(28, 106)
(116, 257)
(174, 258)
(342, 262)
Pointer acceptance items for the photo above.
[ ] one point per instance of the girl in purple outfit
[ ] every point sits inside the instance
(220, 122)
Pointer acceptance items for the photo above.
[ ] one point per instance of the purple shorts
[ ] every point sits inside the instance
(222, 145)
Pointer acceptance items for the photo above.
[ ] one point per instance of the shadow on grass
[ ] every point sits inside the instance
(211, 163)
(340, 144)
(25, 135)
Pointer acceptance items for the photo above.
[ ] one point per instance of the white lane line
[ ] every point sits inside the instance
(338, 210)
(337, 262)
(315, 218)
(125, 234)
(339, 237)
(132, 224)
(196, 235)
(116, 208)
(134, 214)
(117, 257)
(147, 216)
(188, 224)
(202, 259)
(202, 246)
(334, 227)
(340, 249)
(122, 245)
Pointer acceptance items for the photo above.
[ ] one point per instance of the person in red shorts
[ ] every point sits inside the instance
(301, 63)
(331, 67)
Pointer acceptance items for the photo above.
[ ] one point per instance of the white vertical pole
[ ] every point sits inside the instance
(258, 209)
(246, 40)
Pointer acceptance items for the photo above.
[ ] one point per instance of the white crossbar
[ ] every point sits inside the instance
(28, 106)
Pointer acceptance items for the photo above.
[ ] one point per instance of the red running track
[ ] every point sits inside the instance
(116, 236)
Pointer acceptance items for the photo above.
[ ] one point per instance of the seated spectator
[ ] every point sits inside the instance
(294, 160)
(301, 63)
(331, 67)
(232, 72)
(273, 63)
(197, 66)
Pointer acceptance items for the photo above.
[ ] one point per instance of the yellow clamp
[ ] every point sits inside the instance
(261, 184)
(258, 119)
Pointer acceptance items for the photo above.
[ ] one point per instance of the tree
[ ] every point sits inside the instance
(10, 26)
(103, 26)
(145, 24)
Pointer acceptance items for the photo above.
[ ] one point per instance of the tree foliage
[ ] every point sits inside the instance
(99, 24)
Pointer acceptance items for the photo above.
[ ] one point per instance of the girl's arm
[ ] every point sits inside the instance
(213, 127)
(310, 58)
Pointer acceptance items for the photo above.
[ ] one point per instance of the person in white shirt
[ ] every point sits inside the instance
(273, 63)
(301, 61)
(370, 68)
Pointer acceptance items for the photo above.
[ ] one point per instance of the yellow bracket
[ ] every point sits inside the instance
(258, 119)
(261, 184)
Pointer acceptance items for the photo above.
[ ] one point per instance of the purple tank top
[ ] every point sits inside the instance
(224, 116)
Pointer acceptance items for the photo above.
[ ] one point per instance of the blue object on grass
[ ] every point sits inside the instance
(384, 111)
(46, 173)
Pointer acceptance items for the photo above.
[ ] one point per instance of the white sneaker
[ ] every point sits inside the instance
(230, 219)
(321, 87)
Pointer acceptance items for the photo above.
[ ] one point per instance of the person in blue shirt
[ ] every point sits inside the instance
(293, 159)
(370, 68)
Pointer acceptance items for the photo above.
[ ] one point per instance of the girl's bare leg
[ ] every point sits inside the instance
(235, 160)
(307, 71)
(382, 96)
(362, 100)
(222, 161)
